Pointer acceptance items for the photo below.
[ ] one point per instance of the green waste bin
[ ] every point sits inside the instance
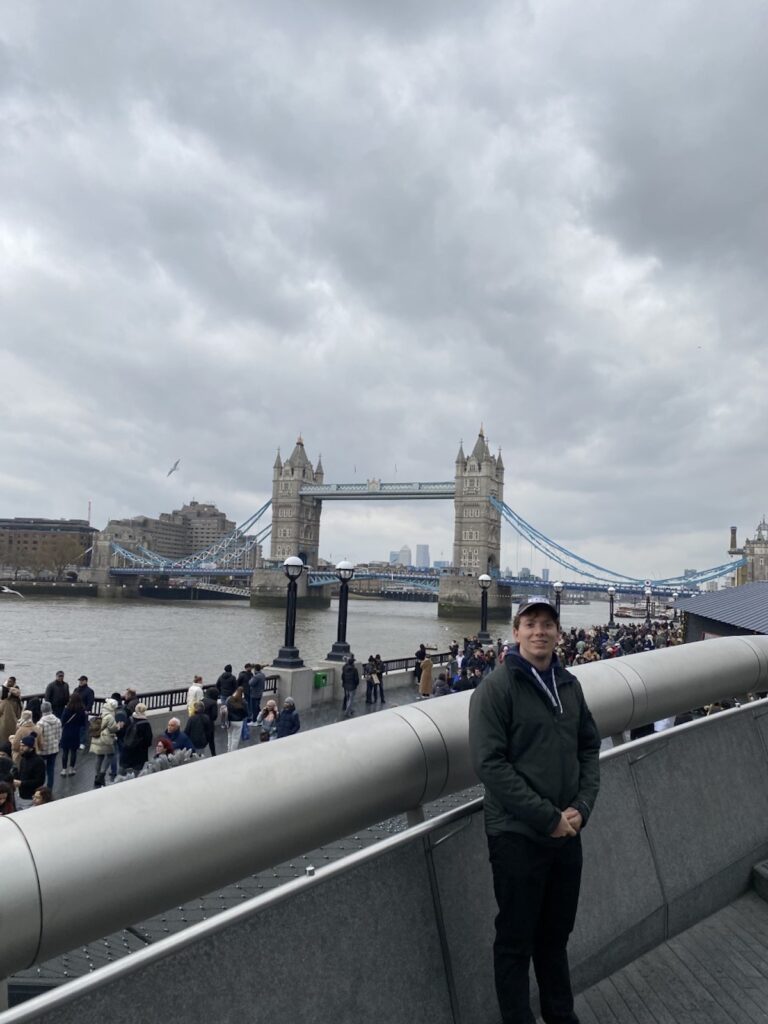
(321, 680)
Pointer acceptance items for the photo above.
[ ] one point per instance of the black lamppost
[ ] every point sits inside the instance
(557, 586)
(485, 581)
(288, 655)
(674, 605)
(648, 592)
(340, 650)
(611, 596)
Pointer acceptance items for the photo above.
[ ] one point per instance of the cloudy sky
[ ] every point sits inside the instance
(381, 224)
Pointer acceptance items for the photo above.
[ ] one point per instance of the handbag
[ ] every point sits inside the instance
(245, 732)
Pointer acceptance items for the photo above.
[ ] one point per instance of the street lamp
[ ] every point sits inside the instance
(557, 586)
(675, 596)
(648, 592)
(485, 581)
(288, 655)
(340, 650)
(611, 596)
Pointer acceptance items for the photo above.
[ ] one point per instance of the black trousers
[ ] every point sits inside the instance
(537, 892)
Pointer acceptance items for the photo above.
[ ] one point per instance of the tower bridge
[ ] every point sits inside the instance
(299, 491)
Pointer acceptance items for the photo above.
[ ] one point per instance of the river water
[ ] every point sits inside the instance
(155, 644)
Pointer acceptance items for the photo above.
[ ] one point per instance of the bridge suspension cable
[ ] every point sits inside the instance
(582, 566)
(223, 554)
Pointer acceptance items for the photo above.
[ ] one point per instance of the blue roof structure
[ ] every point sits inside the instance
(745, 606)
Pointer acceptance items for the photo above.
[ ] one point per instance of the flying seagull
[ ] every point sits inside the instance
(7, 590)
(173, 468)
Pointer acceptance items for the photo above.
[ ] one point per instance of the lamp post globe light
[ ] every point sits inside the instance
(648, 592)
(611, 597)
(485, 581)
(340, 649)
(288, 655)
(557, 586)
(674, 605)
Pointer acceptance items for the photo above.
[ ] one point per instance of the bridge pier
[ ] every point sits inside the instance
(459, 598)
(268, 590)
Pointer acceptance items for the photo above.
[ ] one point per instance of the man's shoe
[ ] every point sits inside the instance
(72, 771)
(63, 772)
(82, 746)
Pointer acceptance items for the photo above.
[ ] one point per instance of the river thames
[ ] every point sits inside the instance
(155, 645)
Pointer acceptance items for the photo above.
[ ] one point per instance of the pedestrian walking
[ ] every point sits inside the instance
(137, 741)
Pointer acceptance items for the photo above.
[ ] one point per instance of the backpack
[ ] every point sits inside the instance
(94, 727)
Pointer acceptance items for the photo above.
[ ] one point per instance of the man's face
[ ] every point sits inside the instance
(537, 636)
(59, 676)
(172, 727)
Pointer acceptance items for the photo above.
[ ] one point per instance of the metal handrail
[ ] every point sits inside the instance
(399, 759)
(158, 700)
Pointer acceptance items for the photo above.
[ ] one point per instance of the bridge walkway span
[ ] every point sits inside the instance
(715, 972)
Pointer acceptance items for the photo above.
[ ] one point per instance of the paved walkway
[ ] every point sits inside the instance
(714, 973)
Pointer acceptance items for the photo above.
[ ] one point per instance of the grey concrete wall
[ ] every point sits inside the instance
(403, 931)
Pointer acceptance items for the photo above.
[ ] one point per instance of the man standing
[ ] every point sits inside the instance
(87, 696)
(226, 684)
(57, 692)
(244, 677)
(49, 728)
(535, 747)
(350, 680)
(256, 691)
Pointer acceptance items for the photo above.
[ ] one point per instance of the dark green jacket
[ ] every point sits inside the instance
(533, 759)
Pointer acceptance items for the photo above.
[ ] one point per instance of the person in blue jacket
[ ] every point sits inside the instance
(288, 719)
(178, 738)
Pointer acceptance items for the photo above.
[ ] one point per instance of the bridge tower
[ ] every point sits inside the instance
(295, 519)
(477, 527)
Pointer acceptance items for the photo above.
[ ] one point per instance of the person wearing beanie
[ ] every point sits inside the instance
(31, 773)
(136, 742)
(26, 727)
(50, 730)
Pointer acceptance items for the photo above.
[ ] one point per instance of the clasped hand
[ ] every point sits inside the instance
(569, 824)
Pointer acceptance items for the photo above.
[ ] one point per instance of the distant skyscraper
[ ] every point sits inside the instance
(404, 556)
(525, 573)
(422, 556)
(441, 564)
(545, 575)
(393, 557)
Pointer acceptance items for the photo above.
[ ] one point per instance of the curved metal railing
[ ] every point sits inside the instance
(263, 805)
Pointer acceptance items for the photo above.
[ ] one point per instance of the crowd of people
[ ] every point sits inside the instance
(469, 662)
(35, 732)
